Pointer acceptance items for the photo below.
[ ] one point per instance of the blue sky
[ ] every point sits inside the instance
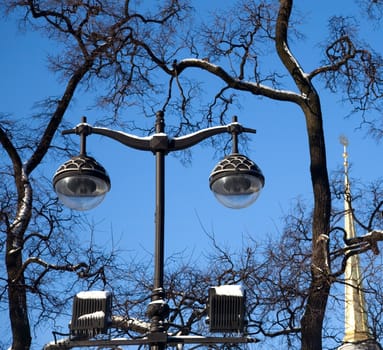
(279, 148)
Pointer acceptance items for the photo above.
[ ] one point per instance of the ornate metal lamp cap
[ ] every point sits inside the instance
(236, 181)
(81, 183)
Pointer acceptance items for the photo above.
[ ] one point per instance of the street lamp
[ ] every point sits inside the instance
(81, 183)
(236, 181)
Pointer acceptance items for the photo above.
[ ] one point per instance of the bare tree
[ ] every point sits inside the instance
(31, 219)
(355, 69)
(128, 49)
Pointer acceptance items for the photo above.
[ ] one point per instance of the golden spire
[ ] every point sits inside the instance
(356, 324)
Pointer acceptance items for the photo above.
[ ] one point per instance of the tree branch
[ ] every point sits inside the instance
(47, 266)
(235, 83)
(63, 103)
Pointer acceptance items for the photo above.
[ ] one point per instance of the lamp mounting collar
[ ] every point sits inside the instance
(83, 129)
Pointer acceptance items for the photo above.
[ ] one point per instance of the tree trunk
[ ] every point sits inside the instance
(18, 313)
(312, 320)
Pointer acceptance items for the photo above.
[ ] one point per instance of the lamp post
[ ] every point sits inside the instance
(81, 183)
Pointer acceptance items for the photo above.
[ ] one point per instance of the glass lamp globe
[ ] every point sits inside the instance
(81, 183)
(236, 181)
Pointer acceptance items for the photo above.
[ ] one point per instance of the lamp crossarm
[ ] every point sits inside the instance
(64, 344)
(159, 141)
(140, 143)
(182, 142)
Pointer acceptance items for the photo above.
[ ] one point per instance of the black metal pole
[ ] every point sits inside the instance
(158, 309)
(158, 284)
